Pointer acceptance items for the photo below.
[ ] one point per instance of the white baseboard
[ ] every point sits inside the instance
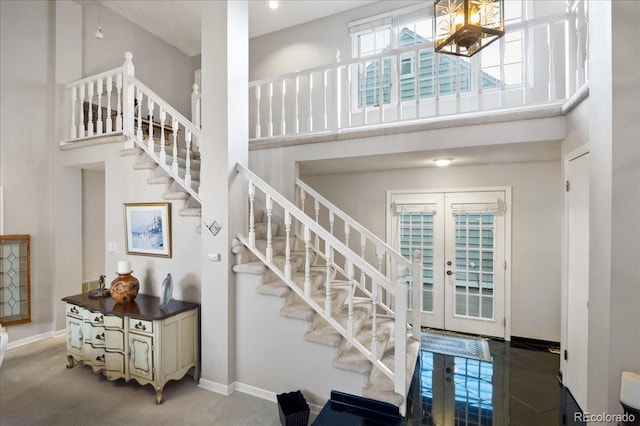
(216, 387)
(227, 390)
(34, 339)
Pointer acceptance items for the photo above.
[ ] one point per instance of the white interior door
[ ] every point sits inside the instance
(467, 230)
(577, 198)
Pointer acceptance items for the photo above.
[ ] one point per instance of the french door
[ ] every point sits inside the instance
(463, 242)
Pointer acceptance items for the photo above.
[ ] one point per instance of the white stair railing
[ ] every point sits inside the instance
(319, 242)
(116, 103)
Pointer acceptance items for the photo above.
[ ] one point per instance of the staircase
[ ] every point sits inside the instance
(353, 301)
(335, 290)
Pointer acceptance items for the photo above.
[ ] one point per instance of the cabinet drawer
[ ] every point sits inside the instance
(95, 318)
(112, 321)
(140, 326)
(114, 340)
(94, 335)
(93, 355)
(74, 310)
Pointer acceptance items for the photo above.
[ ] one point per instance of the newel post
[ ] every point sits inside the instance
(416, 274)
(336, 92)
(128, 96)
(400, 359)
(195, 106)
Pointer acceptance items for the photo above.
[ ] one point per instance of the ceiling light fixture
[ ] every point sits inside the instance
(99, 34)
(443, 162)
(464, 27)
(273, 5)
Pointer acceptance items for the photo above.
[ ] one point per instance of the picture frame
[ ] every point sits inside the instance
(148, 229)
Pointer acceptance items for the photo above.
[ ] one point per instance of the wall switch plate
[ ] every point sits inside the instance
(214, 257)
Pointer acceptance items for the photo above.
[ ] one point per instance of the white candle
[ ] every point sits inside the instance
(124, 267)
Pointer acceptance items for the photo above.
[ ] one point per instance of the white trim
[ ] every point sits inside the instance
(216, 387)
(255, 391)
(370, 21)
(34, 339)
(1, 210)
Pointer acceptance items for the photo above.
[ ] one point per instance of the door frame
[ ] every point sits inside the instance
(507, 233)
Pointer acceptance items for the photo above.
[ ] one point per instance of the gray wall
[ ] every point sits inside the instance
(93, 220)
(536, 224)
(160, 66)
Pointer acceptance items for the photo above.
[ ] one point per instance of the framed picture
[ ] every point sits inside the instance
(148, 229)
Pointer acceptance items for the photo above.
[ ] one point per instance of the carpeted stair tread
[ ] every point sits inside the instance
(261, 230)
(145, 165)
(176, 195)
(190, 211)
(380, 386)
(254, 268)
(274, 288)
(159, 180)
(299, 309)
(325, 334)
(350, 358)
(130, 152)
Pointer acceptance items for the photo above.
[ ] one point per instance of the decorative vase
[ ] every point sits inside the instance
(167, 291)
(124, 288)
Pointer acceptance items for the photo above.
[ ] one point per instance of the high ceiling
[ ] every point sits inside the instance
(178, 22)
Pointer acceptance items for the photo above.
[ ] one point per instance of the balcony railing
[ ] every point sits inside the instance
(414, 84)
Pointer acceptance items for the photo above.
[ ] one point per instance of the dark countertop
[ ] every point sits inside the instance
(143, 307)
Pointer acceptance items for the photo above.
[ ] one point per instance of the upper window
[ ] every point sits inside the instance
(415, 70)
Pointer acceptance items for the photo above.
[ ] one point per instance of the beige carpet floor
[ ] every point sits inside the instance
(36, 388)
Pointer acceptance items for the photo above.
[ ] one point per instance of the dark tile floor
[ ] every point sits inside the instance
(519, 387)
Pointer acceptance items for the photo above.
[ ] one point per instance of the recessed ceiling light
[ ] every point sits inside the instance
(273, 5)
(443, 162)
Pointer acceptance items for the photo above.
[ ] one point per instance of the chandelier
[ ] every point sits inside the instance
(464, 27)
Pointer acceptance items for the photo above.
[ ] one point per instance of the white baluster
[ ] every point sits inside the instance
(436, 74)
(258, 129)
(252, 228)
(347, 229)
(350, 274)
(328, 254)
(99, 119)
(187, 173)
(552, 65)
(128, 101)
(363, 93)
(337, 80)
(297, 105)
(108, 118)
(287, 251)
(163, 150)
(310, 102)
(269, 207)
(381, 90)
(416, 272)
(150, 141)
(302, 197)
(195, 106)
(307, 262)
(81, 124)
(581, 51)
(316, 206)
(380, 256)
(174, 163)
(139, 134)
(400, 333)
(363, 248)
(325, 114)
(90, 113)
(374, 319)
(119, 102)
(270, 109)
(283, 121)
(74, 129)
(349, 99)
(331, 221)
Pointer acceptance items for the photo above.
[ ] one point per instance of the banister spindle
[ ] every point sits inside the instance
(283, 121)
(174, 162)
(270, 109)
(163, 150)
(552, 65)
(350, 275)
(416, 273)
(81, 124)
(380, 257)
(119, 102)
(187, 167)
(331, 221)
(90, 111)
(74, 129)
(269, 208)
(258, 129)
(297, 104)
(287, 250)
(381, 90)
(108, 118)
(328, 254)
(325, 114)
(302, 197)
(150, 141)
(139, 134)
(99, 119)
(374, 319)
(310, 102)
(252, 227)
(363, 249)
(316, 206)
(307, 261)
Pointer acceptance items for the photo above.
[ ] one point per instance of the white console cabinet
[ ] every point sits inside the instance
(137, 340)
